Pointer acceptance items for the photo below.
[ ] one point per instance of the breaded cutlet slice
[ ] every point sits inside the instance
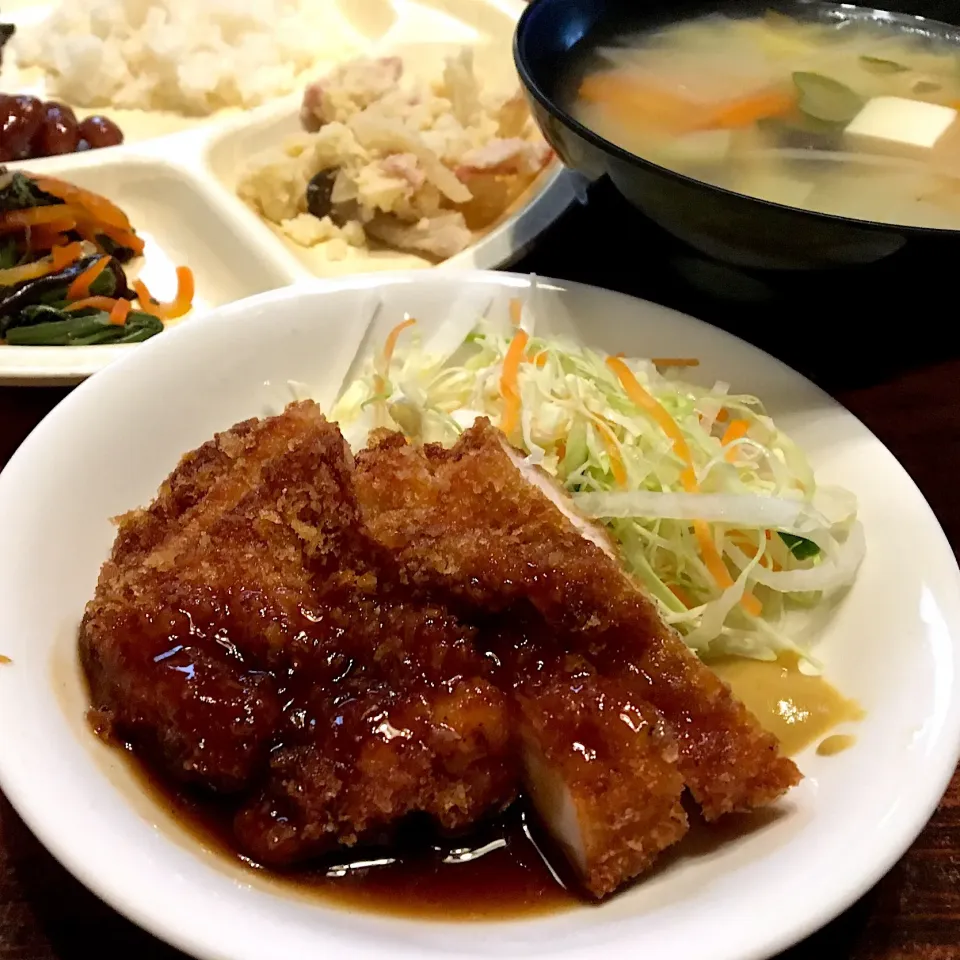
(235, 650)
(185, 600)
(600, 769)
(393, 747)
(479, 523)
(222, 469)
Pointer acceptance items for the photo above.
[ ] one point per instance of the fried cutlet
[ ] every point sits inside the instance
(479, 523)
(609, 793)
(148, 641)
(338, 644)
(599, 765)
(248, 636)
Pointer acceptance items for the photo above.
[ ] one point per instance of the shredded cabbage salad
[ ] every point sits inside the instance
(714, 509)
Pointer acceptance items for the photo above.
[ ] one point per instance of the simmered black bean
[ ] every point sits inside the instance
(100, 132)
(20, 119)
(58, 133)
(319, 193)
(30, 129)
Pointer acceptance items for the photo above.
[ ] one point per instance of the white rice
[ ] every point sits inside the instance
(188, 56)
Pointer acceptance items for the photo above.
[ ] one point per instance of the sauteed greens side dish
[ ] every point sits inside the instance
(64, 256)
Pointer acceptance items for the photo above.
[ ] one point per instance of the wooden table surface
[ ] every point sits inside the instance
(908, 394)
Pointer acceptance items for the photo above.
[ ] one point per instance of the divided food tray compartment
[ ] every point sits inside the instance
(179, 188)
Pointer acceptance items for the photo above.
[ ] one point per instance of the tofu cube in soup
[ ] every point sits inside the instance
(900, 127)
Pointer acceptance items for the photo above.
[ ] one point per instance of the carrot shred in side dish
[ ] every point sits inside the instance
(106, 304)
(654, 409)
(516, 311)
(539, 360)
(617, 465)
(736, 430)
(681, 595)
(63, 255)
(120, 311)
(389, 347)
(49, 235)
(173, 309)
(15, 220)
(99, 207)
(26, 271)
(79, 289)
(124, 238)
(708, 549)
(741, 540)
(508, 382)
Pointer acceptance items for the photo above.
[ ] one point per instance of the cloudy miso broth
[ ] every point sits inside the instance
(852, 115)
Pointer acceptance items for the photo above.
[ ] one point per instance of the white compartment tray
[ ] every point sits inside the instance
(176, 177)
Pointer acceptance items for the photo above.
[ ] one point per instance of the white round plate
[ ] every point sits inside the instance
(176, 178)
(892, 645)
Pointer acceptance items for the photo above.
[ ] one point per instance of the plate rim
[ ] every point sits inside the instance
(941, 767)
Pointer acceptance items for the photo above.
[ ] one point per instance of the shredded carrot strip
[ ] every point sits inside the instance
(516, 311)
(125, 238)
(104, 210)
(147, 302)
(508, 382)
(740, 540)
(718, 570)
(62, 256)
(736, 430)
(29, 271)
(688, 480)
(681, 595)
(80, 288)
(723, 416)
(186, 290)
(15, 220)
(675, 362)
(655, 410)
(172, 309)
(92, 232)
(613, 449)
(649, 404)
(120, 312)
(389, 346)
(49, 235)
(105, 304)
(391, 342)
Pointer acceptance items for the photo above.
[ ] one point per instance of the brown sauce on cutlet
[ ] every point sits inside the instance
(500, 870)
(506, 867)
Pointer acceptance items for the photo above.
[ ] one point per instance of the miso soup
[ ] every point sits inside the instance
(856, 116)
